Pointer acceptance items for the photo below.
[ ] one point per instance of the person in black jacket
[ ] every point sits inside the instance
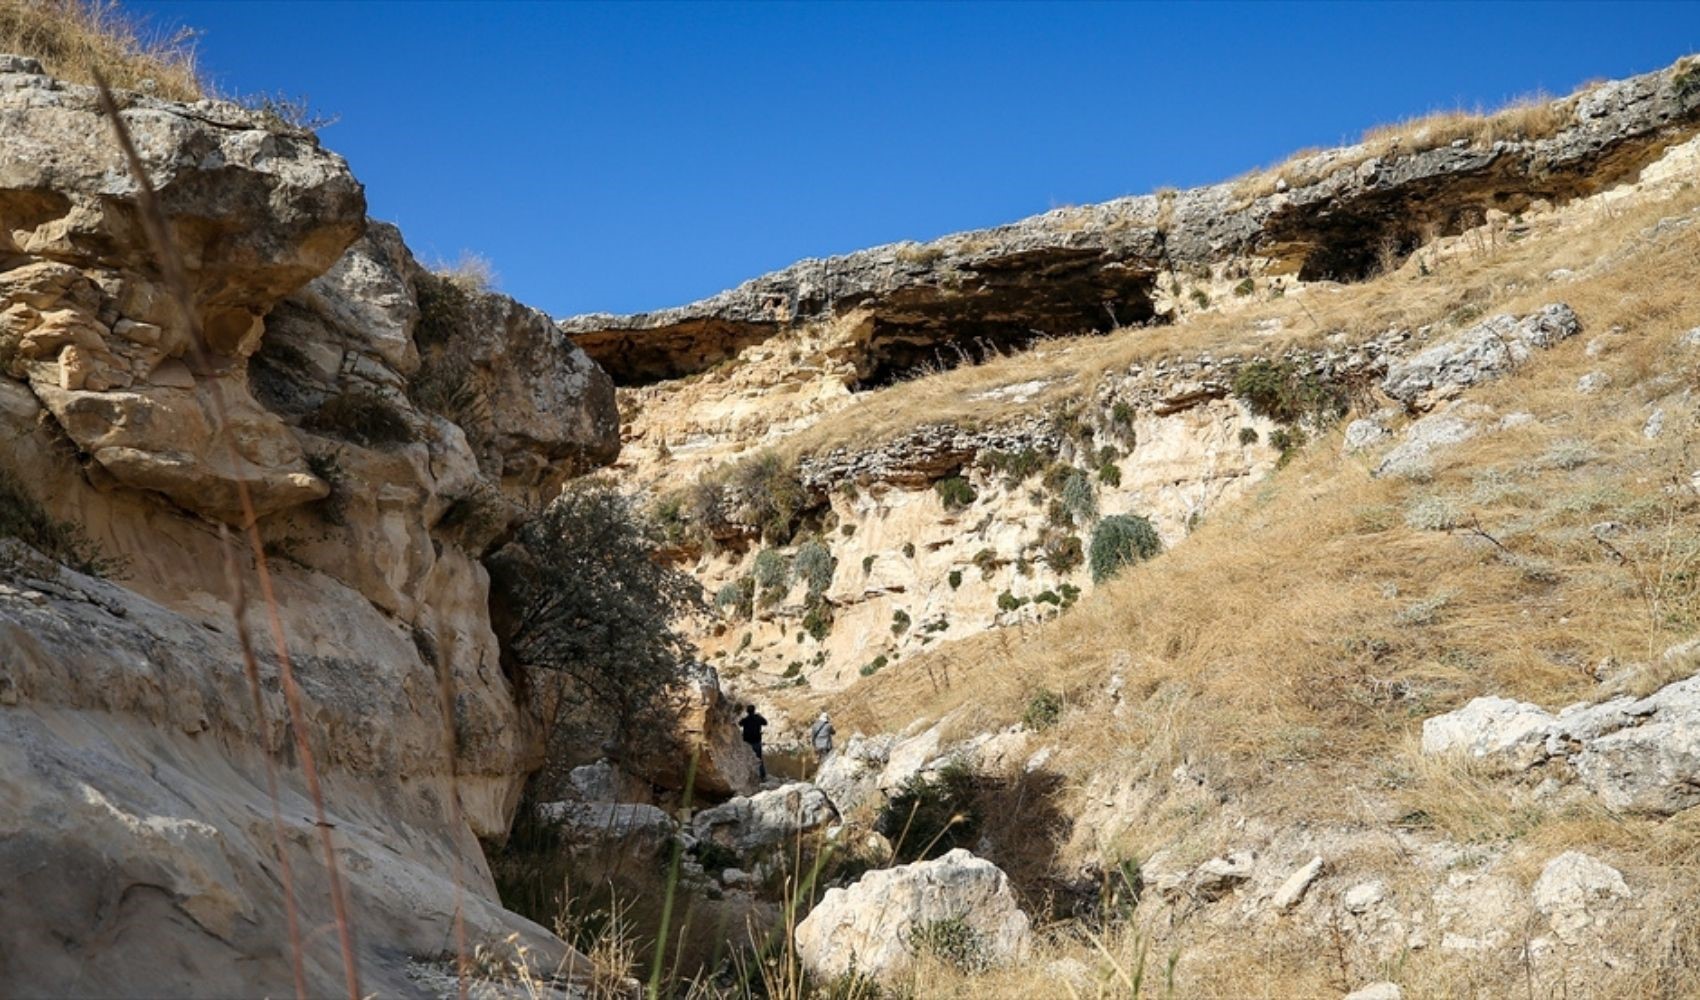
(752, 725)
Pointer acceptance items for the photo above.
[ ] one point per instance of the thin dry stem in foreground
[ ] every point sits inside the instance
(176, 281)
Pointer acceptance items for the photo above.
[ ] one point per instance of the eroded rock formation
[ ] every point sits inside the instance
(138, 851)
(1337, 215)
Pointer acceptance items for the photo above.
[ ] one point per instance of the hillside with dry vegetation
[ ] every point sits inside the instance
(1288, 587)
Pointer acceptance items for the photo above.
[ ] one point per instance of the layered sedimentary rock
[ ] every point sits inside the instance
(138, 852)
(1336, 215)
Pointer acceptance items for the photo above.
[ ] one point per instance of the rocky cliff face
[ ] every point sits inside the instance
(1334, 215)
(387, 423)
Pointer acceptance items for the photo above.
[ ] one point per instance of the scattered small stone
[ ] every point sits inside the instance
(1294, 888)
(1376, 991)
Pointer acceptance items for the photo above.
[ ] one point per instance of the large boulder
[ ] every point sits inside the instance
(705, 721)
(850, 775)
(879, 925)
(255, 211)
(777, 817)
(1509, 732)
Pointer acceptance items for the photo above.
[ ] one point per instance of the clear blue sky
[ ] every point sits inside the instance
(627, 157)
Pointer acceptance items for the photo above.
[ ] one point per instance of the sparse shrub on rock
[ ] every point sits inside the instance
(1119, 540)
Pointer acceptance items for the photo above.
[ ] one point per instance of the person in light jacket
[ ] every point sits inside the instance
(820, 737)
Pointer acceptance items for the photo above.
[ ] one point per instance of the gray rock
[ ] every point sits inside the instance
(877, 925)
(1294, 888)
(1485, 351)
(1360, 434)
(1513, 733)
(850, 775)
(749, 825)
(1576, 892)
(1414, 455)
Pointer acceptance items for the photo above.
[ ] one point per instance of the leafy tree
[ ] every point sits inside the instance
(581, 595)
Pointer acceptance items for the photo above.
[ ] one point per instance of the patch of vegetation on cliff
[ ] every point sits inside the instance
(1119, 540)
(1285, 392)
(585, 598)
(23, 518)
(74, 39)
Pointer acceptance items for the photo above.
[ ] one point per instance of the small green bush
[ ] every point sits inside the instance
(899, 622)
(737, 598)
(952, 941)
(1121, 414)
(1287, 441)
(955, 493)
(1043, 710)
(1201, 297)
(814, 565)
(1009, 602)
(930, 816)
(1109, 453)
(1047, 597)
(769, 485)
(1064, 553)
(772, 575)
(867, 563)
(986, 560)
(1119, 540)
(1079, 497)
(1245, 288)
(873, 667)
(1282, 391)
(1014, 466)
(908, 550)
(1110, 474)
(1248, 436)
(955, 579)
(818, 621)
(1070, 594)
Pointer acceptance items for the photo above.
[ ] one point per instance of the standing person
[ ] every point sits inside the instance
(752, 725)
(820, 736)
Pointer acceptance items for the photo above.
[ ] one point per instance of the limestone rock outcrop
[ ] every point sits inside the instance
(139, 845)
(1331, 215)
(85, 320)
(877, 926)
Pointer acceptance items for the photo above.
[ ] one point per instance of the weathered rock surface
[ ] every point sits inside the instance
(1576, 892)
(1076, 270)
(1635, 754)
(139, 845)
(1485, 351)
(256, 213)
(877, 925)
(774, 818)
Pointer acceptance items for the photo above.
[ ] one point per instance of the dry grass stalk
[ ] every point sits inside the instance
(176, 281)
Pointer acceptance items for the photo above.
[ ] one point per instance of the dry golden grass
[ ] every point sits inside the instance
(1293, 644)
(1525, 118)
(76, 38)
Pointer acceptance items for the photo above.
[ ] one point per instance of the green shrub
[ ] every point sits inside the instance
(1245, 288)
(1282, 391)
(874, 666)
(1121, 414)
(932, 815)
(1119, 540)
(588, 600)
(1079, 497)
(952, 941)
(899, 622)
(22, 518)
(986, 560)
(1064, 552)
(1201, 297)
(908, 550)
(1248, 436)
(955, 579)
(955, 493)
(1043, 710)
(1014, 466)
(1070, 594)
(867, 563)
(818, 621)
(1110, 474)
(1009, 602)
(1047, 597)
(1287, 441)
(737, 598)
(364, 417)
(1109, 453)
(814, 565)
(769, 485)
(772, 575)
